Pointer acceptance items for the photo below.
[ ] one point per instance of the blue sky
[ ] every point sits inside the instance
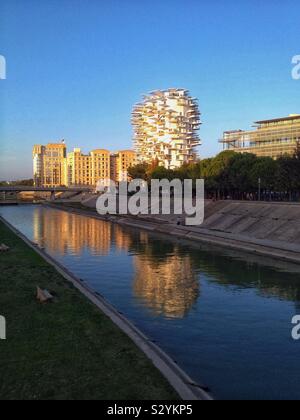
(75, 68)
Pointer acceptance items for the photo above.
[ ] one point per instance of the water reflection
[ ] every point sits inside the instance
(219, 313)
(164, 279)
(169, 287)
(166, 274)
(65, 232)
(272, 280)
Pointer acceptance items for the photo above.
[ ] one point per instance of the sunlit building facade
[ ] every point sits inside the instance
(273, 138)
(100, 165)
(120, 162)
(87, 170)
(38, 162)
(78, 169)
(49, 164)
(166, 128)
(53, 166)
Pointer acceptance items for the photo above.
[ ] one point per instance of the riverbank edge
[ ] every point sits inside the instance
(251, 245)
(186, 388)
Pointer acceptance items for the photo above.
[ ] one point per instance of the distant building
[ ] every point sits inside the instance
(49, 164)
(166, 128)
(78, 169)
(100, 165)
(119, 164)
(37, 157)
(53, 166)
(273, 138)
(86, 170)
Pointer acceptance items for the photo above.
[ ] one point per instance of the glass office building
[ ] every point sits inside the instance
(273, 138)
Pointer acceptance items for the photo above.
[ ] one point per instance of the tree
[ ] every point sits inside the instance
(139, 171)
(265, 169)
(233, 174)
(22, 182)
(239, 177)
(288, 175)
(25, 182)
(161, 172)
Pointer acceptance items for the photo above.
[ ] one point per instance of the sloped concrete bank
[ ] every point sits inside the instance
(186, 388)
(267, 229)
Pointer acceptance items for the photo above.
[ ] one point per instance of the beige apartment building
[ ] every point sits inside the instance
(49, 164)
(53, 166)
(273, 138)
(100, 165)
(87, 170)
(119, 164)
(78, 169)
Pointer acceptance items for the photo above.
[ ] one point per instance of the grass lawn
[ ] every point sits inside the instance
(66, 349)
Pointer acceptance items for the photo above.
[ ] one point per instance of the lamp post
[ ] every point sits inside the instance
(259, 189)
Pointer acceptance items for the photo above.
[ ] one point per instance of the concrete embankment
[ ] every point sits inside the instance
(265, 228)
(271, 229)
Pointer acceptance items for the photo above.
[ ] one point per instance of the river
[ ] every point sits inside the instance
(224, 316)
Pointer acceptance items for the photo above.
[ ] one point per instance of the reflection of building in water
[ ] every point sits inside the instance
(169, 286)
(70, 232)
(122, 239)
(65, 231)
(164, 279)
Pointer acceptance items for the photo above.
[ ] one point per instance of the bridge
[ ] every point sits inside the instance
(16, 189)
(5, 190)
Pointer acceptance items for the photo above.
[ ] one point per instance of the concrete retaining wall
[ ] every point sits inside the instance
(278, 222)
(270, 229)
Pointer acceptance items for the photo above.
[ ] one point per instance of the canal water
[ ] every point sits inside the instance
(225, 317)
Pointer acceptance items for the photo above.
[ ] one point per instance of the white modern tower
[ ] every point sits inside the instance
(166, 128)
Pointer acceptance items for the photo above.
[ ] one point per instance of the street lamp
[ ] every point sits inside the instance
(259, 189)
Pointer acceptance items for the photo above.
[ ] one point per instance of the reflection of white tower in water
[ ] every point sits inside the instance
(169, 287)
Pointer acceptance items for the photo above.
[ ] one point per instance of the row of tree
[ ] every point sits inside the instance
(23, 182)
(235, 175)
